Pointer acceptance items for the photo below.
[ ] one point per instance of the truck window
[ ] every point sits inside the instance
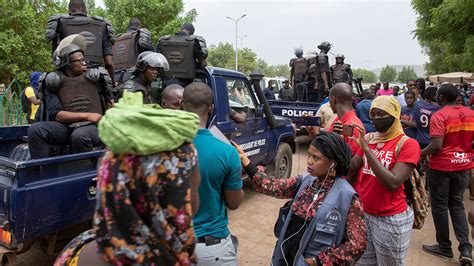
(239, 94)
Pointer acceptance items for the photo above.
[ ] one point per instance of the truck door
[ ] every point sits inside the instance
(249, 132)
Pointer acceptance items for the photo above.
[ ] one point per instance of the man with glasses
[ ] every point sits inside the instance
(75, 98)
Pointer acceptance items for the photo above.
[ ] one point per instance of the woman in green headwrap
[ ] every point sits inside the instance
(147, 189)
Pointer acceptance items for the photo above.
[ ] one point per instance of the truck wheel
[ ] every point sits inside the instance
(283, 161)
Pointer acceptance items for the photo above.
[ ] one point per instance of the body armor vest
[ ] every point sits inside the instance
(77, 94)
(287, 94)
(124, 50)
(300, 66)
(339, 73)
(179, 51)
(92, 29)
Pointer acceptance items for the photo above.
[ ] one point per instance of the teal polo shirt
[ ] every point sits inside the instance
(221, 169)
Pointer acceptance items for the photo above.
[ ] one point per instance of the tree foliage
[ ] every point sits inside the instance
(388, 74)
(22, 45)
(160, 17)
(445, 29)
(223, 55)
(366, 75)
(407, 73)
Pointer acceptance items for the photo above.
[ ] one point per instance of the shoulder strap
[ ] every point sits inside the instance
(400, 143)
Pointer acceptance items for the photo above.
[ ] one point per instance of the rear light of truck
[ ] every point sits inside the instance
(5, 237)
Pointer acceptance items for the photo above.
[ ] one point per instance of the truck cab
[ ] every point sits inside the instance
(43, 198)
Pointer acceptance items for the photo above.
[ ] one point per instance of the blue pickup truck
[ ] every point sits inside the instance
(295, 110)
(48, 198)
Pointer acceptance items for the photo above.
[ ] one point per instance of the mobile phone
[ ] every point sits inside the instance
(347, 130)
(311, 121)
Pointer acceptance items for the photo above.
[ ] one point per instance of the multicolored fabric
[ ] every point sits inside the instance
(355, 238)
(143, 213)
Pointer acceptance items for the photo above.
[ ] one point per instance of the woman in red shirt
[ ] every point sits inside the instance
(378, 171)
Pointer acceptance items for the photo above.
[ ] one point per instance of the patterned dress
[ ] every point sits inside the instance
(355, 239)
(143, 213)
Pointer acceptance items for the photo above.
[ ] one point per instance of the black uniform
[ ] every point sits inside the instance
(97, 31)
(150, 95)
(184, 53)
(298, 68)
(322, 65)
(61, 94)
(341, 73)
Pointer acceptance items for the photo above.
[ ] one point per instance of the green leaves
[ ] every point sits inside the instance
(366, 75)
(445, 29)
(223, 55)
(388, 74)
(407, 73)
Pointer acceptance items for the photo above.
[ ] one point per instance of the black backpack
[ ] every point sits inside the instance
(25, 104)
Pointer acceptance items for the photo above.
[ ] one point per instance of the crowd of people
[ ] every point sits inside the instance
(165, 181)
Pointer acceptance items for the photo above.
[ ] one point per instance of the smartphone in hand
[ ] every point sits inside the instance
(347, 130)
(314, 121)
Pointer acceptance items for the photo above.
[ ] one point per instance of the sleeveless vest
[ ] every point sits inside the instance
(124, 50)
(92, 29)
(327, 228)
(179, 51)
(77, 94)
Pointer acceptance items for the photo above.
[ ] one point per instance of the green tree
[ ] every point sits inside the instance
(247, 61)
(22, 45)
(220, 55)
(407, 73)
(366, 75)
(388, 74)
(160, 17)
(445, 30)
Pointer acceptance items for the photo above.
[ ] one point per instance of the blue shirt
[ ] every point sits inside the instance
(362, 111)
(422, 115)
(269, 95)
(220, 168)
(407, 114)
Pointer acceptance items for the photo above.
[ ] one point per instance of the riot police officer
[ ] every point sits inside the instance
(298, 67)
(341, 72)
(149, 66)
(75, 98)
(185, 53)
(97, 31)
(322, 66)
(128, 46)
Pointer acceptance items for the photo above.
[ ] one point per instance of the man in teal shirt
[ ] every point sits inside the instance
(221, 183)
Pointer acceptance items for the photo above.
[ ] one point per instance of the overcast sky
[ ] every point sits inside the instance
(370, 34)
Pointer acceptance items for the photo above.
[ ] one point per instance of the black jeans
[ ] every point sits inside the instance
(446, 193)
(43, 134)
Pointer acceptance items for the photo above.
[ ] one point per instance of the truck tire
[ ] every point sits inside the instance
(281, 167)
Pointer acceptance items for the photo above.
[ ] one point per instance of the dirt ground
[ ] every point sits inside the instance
(253, 224)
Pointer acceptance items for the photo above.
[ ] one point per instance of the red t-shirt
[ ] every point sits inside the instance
(377, 199)
(348, 119)
(455, 124)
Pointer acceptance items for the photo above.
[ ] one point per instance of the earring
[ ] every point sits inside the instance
(332, 171)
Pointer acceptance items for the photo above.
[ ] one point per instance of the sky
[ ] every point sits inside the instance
(370, 33)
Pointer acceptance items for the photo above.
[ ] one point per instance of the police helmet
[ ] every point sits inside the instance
(69, 45)
(340, 56)
(299, 52)
(151, 59)
(325, 45)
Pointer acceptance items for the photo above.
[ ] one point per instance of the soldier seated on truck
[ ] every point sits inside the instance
(75, 98)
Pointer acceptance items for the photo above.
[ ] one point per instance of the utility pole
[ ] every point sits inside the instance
(236, 48)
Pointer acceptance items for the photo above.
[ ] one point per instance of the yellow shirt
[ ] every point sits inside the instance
(327, 115)
(29, 92)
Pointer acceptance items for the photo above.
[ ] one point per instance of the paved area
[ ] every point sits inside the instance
(253, 224)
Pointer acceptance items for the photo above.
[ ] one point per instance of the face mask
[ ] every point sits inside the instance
(383, 124)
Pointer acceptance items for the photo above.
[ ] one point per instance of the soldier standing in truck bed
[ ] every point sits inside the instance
(185, 53)
(97, 31)
(341, 72)
(298, 67)
(128, 46)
